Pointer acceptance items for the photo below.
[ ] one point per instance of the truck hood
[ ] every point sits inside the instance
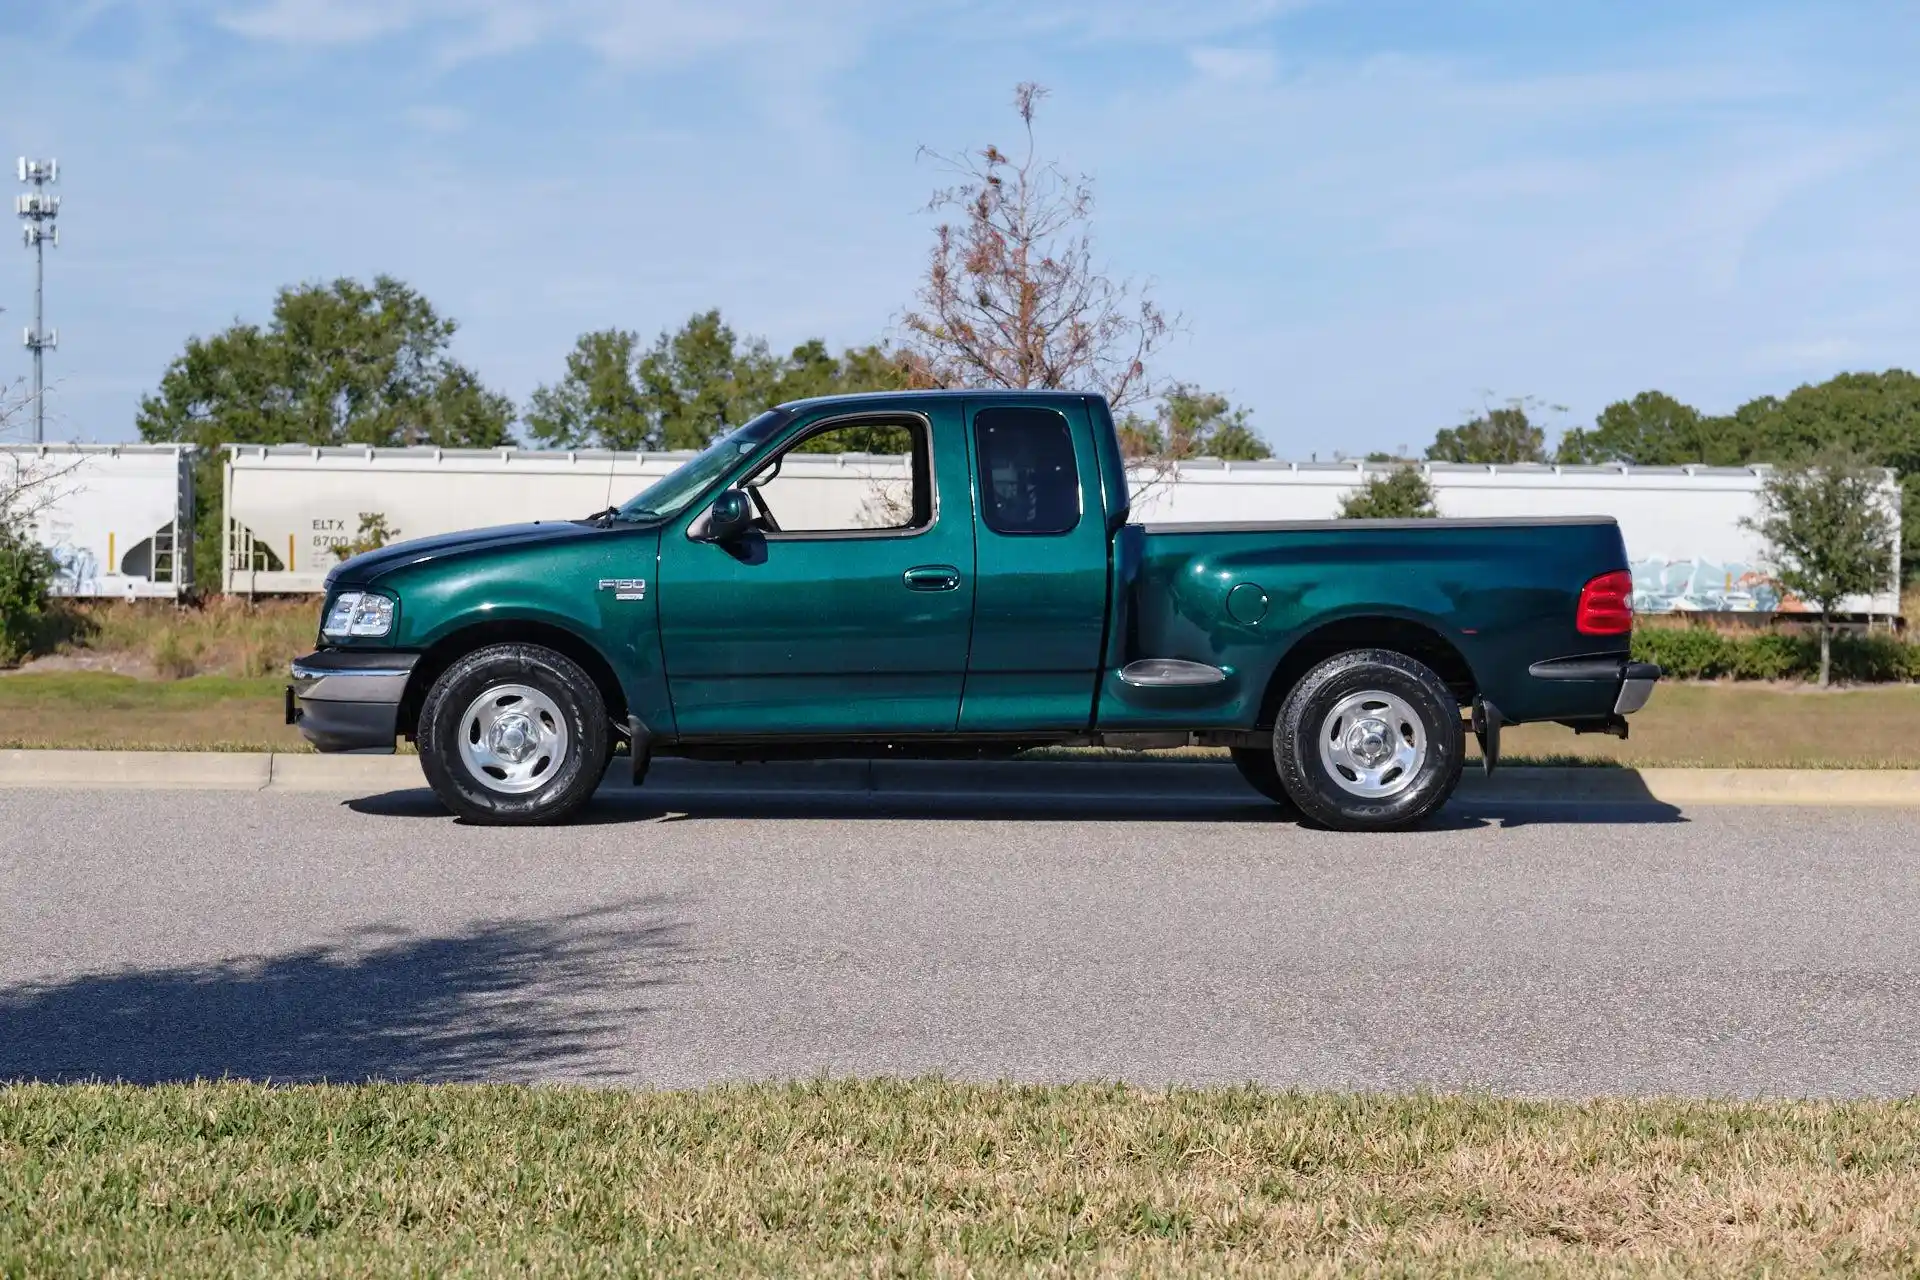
(369, 566)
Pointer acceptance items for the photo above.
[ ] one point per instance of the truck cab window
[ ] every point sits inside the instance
(1029, 483)
(850, 478)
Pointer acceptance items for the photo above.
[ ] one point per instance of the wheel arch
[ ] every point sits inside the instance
(456, 645)
(1411, 637)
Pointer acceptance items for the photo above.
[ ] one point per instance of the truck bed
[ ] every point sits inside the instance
(1491, 597)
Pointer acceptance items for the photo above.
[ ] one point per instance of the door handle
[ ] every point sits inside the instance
(932, 577)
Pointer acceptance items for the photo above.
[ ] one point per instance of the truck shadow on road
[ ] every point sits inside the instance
(624, 805)
(505, 1000)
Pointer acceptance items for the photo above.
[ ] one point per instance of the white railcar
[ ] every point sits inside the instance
(1689, 548)
(290, 507)
(291, 510)
(118, 518)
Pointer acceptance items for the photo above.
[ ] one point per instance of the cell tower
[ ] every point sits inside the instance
(38, 210)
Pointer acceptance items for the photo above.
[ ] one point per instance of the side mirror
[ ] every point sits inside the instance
(730, 516)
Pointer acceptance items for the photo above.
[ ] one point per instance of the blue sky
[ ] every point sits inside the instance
(1371, 214)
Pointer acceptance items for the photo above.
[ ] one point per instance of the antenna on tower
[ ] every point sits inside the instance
(38, 212)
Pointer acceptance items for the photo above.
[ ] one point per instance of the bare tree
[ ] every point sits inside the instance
(29, 484)
(1013, 296)
(16, 403)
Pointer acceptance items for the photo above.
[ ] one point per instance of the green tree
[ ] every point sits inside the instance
(597, 402)
(1876, 415)
(1505, 435)
(339, 363)
(1828, 534)
(1650, 430)
(1191, 423)
(1400, 494)
(703, 379)
(342, 363)
(1873, 415)
(690, 385)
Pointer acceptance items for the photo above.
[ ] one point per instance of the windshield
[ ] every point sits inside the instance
(672, 493)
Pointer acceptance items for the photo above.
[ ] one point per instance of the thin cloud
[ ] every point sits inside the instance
(322, 22)
(1235, 66)
(658, 32)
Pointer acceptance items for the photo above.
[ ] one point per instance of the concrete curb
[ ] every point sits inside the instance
(1172, 780)
(198, 771)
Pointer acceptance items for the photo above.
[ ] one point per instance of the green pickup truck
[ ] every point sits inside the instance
(989, 596)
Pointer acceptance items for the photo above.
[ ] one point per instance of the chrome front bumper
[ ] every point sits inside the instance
(346, 701)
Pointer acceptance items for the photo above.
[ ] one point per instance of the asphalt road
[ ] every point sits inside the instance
(675, 940)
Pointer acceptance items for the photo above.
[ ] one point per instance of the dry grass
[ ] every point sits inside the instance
(223, 636)
(932, 1178)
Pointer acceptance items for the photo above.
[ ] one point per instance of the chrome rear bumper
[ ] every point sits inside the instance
(1636, 686)
(1635, 679)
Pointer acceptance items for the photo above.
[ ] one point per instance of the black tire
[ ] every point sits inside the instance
(1326, 792)
(562, 702)
(1257, 766)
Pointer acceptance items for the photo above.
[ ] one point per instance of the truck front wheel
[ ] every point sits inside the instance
(1369, 740)
(514, 734)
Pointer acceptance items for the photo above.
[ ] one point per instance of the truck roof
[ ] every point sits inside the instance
(1035, 394)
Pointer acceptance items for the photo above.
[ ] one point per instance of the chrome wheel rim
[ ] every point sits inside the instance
(513, 738)
(1372, 744)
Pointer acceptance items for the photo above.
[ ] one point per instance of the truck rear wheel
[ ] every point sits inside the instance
(514, 734)
(1369, 740)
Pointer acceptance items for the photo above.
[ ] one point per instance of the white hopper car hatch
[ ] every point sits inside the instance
(118, 518)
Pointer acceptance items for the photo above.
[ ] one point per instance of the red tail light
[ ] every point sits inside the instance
(1606, 606)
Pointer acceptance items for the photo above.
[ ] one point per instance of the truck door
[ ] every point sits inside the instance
(1040, 599)
(846, 609)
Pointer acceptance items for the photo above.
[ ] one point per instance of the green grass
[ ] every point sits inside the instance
(931, 1178)
(105, 691)
(101, 710)
(1686, 725)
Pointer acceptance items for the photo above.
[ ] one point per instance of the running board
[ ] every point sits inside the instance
(1170, 673)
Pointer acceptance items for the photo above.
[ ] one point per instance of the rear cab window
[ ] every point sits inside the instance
(1029, 481)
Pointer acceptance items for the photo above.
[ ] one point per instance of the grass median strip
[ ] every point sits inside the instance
(934, 1178)
(1710, 726)
(1686, 725)
(119, 712)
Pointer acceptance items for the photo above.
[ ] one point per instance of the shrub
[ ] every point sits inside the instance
(1870, 659)
(1401, 494)
(1687, 653)
(26, 574)
(1701, 653)
(374, 534)
(174, 656)
(1773, 655)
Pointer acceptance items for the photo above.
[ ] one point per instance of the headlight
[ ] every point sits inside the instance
(358, 613)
